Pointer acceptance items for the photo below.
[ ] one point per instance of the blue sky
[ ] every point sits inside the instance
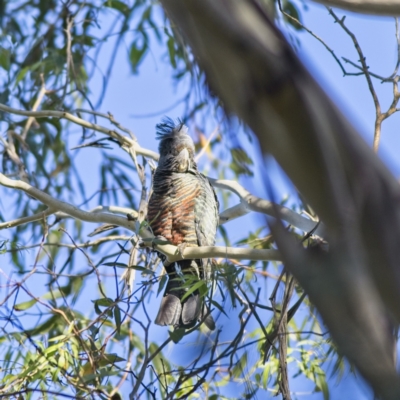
(376, 36)
(152, 90)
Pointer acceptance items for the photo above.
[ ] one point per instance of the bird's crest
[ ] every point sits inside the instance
(169, 129)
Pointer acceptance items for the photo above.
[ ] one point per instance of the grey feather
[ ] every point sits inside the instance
(183, 209)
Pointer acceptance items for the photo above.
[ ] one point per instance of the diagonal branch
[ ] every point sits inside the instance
(67, 208)
(31, 218)
(352, 192)
(248, 203)
(124, 141)
(377, 7)
(59, 214)
(365, 69)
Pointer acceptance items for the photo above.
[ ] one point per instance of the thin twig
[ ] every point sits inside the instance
(126, 143)
(365, 70)
(42, 92)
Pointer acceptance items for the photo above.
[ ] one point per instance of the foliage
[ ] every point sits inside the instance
(69, 326)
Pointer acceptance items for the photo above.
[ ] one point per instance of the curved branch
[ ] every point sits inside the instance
(104, 210)
(110, 117)
(40, 215)
(115, 210)
(232, 213)
(65, 207)
(377, 7)
(253, 203)
(365, 69)
(123, 140)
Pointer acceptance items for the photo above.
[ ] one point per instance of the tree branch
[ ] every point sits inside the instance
(365, 69)
(105, 239)
(42, 92)
(24, 220)
(174, 254)
(125, 142)
(352, 192)
(253, 203)
(69, 209)
(376, 7)
(248, 201)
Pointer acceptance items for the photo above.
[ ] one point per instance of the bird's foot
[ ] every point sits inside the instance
(181, 248)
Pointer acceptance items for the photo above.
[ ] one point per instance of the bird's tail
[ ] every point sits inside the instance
(182, 313)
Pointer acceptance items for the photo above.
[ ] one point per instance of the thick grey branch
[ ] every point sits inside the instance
(40, 215)
(350, 189)
(103, 209)
(173, 254)
(253, 203)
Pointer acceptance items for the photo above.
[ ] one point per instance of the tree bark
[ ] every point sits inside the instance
(251, 67)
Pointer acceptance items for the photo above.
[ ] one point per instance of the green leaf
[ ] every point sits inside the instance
(200, 285)
(290, 9)
(320, 381)
(239, 155)
(97, 309)
(58, 338)
(45, 327)
(117, 317)
(108, 359)
(177, 334)
(240, 162)
(171, 51)
(53, 349)
(105, 302)
(220, 308)
(136, 54)
(24, 306)
(4, 96)
(5, 58)
(240, 366)
(146, 14)
(224, 235)
(115, 264)
(117, 5)
(142, 269)
(163, 281)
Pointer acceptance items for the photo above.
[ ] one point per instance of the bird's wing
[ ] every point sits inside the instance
(206, 213)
